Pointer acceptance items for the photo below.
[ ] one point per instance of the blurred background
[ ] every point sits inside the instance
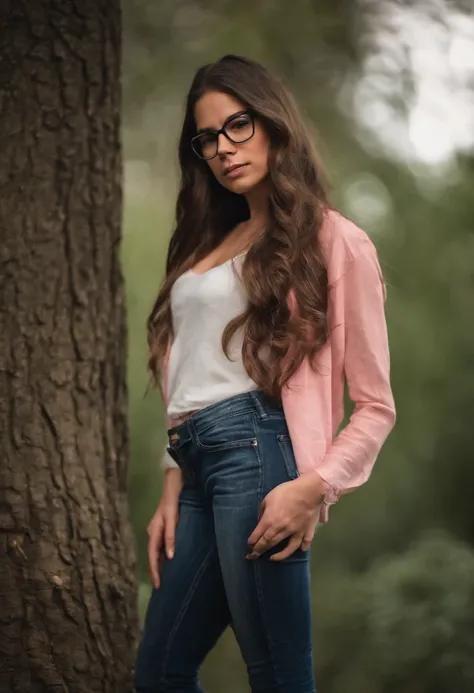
(388, 88)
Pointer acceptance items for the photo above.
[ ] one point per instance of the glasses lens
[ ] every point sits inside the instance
(240, 128)
(205, 145)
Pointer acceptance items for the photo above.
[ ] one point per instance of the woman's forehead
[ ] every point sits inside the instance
(214, 108)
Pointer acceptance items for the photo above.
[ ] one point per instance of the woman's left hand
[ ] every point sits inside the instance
(292, 510)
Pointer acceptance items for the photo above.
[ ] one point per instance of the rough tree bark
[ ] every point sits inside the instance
(68, 616)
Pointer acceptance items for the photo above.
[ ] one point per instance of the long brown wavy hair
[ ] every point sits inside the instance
(285, 262)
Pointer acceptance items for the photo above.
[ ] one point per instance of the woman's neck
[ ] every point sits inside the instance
(257, 200)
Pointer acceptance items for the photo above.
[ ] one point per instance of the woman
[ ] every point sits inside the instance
(270, 299)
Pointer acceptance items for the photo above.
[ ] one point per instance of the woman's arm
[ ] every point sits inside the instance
(351, 456)
(167, 462)
(349, 461)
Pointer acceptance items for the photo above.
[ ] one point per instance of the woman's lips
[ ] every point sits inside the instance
(234, 171)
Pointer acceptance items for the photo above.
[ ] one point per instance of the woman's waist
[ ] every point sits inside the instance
(186, 400)
(251, 402)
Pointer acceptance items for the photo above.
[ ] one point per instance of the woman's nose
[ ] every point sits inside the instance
(224, 145)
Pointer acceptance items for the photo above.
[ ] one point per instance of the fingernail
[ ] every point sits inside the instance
(251, 556)
(170, 553)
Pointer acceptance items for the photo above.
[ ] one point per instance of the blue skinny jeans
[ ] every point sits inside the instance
(232, 454)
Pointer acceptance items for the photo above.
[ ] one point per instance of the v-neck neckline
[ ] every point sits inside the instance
(221, 264)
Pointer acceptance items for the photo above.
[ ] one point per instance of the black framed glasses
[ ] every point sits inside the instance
(239, 128)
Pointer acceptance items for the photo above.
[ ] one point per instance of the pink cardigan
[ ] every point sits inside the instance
(357, 350)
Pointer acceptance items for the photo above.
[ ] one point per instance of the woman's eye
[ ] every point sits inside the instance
(239, 123)
(207, 140)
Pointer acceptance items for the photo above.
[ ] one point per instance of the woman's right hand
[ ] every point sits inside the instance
(162, 527)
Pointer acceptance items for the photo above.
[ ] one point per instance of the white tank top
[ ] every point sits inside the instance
(199, 373)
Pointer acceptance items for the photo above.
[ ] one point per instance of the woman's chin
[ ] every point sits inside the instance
(241, 186)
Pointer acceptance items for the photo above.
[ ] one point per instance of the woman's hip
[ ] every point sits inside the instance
(239, 445)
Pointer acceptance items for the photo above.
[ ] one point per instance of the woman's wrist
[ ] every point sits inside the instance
(315, 488)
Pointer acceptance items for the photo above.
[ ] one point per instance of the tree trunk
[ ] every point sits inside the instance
(68, 612)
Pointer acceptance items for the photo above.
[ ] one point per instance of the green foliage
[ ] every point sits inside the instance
(405, 625)
(421, 619)
(144, 593)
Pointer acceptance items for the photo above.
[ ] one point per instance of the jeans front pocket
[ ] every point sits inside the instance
(228, 433)
(286, 447)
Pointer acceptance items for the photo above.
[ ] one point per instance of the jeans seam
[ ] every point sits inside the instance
(260, 409)
(259, 460)
(256, 564)
(225, 417)
(187, 600)
(264, 620)
(234, 445)
(291, 468)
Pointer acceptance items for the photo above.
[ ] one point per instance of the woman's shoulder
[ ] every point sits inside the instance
(342, 242)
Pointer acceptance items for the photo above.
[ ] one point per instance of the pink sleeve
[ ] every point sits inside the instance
(349, 461)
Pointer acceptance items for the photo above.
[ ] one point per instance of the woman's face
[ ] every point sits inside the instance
(241, 166)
